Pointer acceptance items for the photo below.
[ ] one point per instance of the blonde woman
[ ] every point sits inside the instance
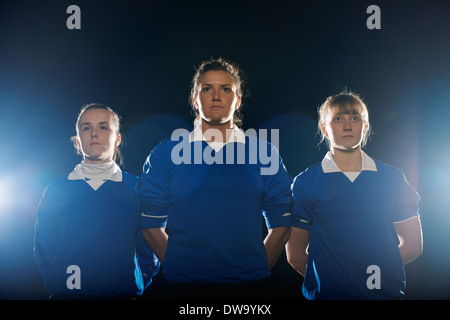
(355, 219)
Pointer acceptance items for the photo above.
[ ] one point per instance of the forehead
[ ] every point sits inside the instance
(216, 77)
(346, 108)
(95, 116)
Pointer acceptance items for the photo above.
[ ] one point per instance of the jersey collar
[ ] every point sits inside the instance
(328, 164)
(237, 135)
(77, 174)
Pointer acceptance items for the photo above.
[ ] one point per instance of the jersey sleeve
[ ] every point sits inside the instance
(154, 189)
(406, 202)
(277, 202)
(147, 260)
(302, 216)
(46, 233)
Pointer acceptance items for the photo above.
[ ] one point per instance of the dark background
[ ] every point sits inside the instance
(138, 57)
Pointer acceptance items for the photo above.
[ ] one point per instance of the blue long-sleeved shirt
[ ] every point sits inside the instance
(214, 211)
(96, 230)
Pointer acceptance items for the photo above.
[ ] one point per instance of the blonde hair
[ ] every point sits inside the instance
(344, 102)
(116, 117)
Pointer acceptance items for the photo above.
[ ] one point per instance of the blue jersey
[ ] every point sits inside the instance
(97, 232)
(352, 232)
(214, 212)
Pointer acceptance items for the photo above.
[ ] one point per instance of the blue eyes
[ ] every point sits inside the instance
(353, 119)
(86, 128)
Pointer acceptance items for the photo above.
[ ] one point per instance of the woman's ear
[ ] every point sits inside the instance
(366, 127)
(238, 103)
(195, 102)
(324, 130)
(118, 140)
(78, 144)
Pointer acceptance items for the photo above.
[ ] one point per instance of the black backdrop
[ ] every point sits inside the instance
(139, 57)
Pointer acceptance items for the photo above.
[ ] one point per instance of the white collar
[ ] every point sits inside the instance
(96, 175)
(367, 164)
(237, 135)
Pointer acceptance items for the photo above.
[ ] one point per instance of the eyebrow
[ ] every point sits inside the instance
(88, 123)
(223, 85)
(347, 112)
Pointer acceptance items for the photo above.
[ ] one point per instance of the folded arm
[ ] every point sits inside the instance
(297, 249)
(409, 233)
(156, 239)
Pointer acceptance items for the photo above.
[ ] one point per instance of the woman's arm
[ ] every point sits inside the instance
(274, 243)
(296, 249)
(46, 230)
(410, 236)
(156, 239)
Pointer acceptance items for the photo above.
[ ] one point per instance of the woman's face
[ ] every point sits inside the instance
(217, 97)
(97, 136)
(345, 130)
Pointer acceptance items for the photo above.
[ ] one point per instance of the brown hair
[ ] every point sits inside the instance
(219, 64)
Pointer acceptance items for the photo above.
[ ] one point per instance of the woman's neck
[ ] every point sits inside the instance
(224, 128)
(347, 160)
(97, 171)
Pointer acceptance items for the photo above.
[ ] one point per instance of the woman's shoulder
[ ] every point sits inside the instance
(164, 147)
(309, 173)
(311, 170)
(58, 187)
(58, 182)
(384, 168)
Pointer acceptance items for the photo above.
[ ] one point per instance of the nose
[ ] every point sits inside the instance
(347, 124)
(94, 133)
(216, 95)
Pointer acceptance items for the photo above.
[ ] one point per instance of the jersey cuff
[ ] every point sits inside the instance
(302, 224)
(280, 221)
(149, 220)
